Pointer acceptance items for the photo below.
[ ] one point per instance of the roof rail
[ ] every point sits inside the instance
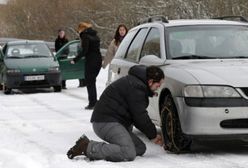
(241, 18)
(156, 18)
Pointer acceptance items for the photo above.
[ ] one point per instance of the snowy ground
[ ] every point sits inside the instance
(37, 129)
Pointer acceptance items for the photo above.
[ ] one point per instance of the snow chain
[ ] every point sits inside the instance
(171, 129)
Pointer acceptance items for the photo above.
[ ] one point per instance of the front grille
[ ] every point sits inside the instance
(245, 91)
(234, 123)
(34, 83)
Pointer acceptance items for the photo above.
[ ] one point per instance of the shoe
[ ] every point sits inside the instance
(79, 148)
(89, 107)
(63, 87)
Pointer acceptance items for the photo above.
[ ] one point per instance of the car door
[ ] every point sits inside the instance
(153, 48)
(64, 57)
(127, 54)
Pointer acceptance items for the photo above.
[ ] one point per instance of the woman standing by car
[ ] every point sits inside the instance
(90, 43)
(120, 33)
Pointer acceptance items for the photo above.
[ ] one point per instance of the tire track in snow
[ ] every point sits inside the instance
(68, 93)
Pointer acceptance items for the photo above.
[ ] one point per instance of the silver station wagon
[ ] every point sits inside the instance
(205, 93)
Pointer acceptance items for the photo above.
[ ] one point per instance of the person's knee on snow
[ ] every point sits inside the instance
(129, 153)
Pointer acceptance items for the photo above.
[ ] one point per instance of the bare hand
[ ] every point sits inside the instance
(72, 62)
(158, 140)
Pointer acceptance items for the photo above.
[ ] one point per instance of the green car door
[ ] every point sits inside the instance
(65, 55)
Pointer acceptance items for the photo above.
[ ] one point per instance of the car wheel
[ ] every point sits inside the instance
(174, 139)
(1, 86)
(57, 88)
(6, 90)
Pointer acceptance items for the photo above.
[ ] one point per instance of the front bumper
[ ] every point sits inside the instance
(208, 121)
(17, 80)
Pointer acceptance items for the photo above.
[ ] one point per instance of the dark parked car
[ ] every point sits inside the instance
(28, 64)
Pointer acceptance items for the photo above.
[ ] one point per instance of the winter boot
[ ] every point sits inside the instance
(79, 148)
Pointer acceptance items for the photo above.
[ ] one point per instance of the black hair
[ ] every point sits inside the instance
(154, 73)
(117, 34)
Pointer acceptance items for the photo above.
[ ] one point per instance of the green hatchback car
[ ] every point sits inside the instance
(28, 64)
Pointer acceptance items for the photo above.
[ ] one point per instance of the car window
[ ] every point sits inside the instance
(133, 51)
(124, 44)
(152, 44)
(71, 50)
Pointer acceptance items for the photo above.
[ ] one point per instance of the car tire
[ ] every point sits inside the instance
(1, 86)
(57, 88)
(174, 139)
(6, 90)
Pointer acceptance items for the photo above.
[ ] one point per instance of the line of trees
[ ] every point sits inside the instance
(40, 19)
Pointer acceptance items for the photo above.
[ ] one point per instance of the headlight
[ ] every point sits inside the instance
(53, 69)
(210, 91)
(13, 71)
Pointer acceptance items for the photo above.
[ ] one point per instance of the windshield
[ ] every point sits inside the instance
(28, 50)
(208, 42)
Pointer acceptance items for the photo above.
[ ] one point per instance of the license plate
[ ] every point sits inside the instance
(34, 78)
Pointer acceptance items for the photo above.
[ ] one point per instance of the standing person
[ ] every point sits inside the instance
(120, 33)
(122, 104)
(90, 44)
(60, 41)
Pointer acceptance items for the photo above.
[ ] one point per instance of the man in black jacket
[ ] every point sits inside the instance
(122, 104)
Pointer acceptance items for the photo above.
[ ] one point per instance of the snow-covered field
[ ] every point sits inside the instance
(37, 129)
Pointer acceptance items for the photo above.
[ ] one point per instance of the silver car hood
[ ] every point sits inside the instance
(219, 72)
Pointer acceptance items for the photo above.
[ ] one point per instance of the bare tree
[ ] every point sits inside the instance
(40, 19)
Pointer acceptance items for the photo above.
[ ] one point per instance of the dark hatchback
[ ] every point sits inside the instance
(28, 64)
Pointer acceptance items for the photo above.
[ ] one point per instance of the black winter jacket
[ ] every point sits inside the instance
(90, 44)
(125, 101)
(60, 42)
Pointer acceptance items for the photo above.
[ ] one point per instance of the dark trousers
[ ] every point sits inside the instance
(92, 94)
(90, 79)
(92, 69)
(63, 83)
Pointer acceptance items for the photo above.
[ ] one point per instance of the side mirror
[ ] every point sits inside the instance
(151, 60)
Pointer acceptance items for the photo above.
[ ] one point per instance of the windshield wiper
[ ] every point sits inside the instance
(193, 57)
